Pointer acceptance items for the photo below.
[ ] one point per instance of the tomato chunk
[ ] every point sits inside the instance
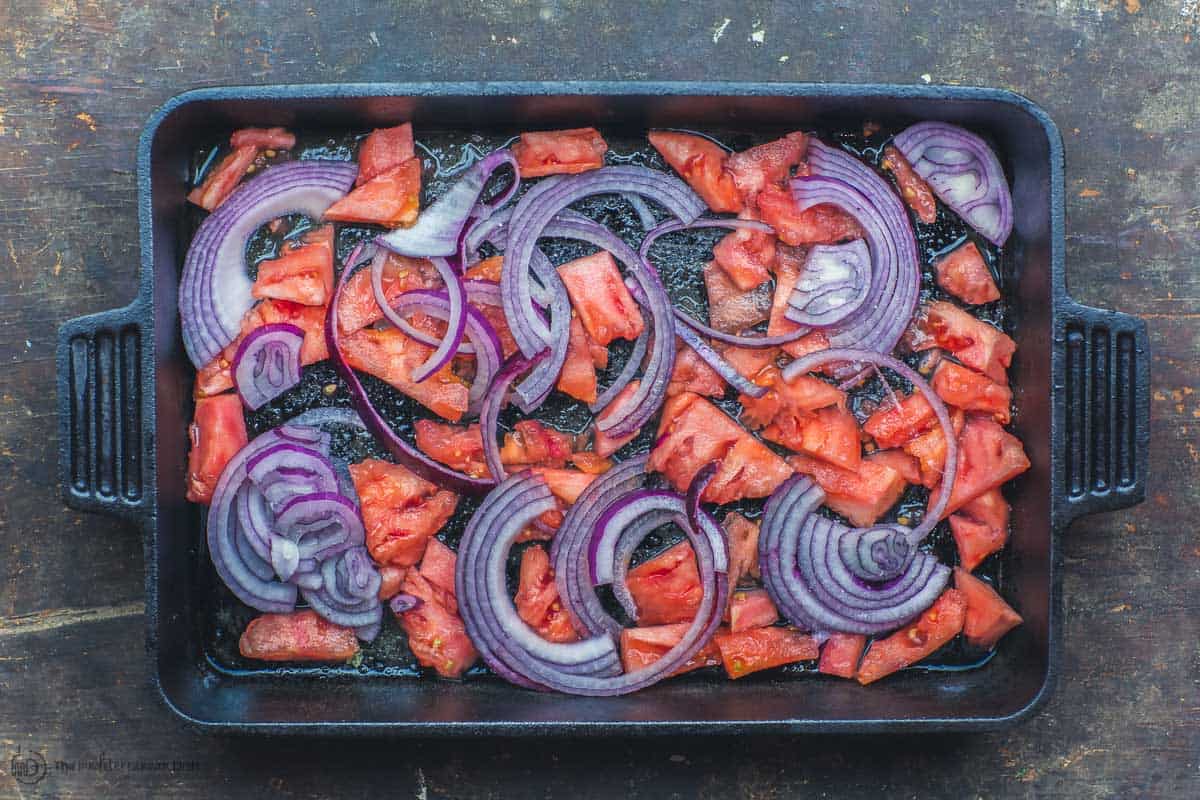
(804, 414)
(822, 224)
(748, 469)
(591, 463)
(642, 646)
(913, 188)
(566, 484)
(382, 150)
(667, 587)
(221, 182)
(537, 599)
(892, 425)
(729, 308)
(751, 608)
(692, 373)
(743, 547)
(972, 341)
(489, 269)
(754, 363)
(929, 449)
(437, 566)
(841, 653)
(980, 528)
(356, 304)
(900, 461)
(391, 578)
(862, 496)
(436, 635)
(298, 636)
(532, 443)
(747, 257)
(217, 433)
(988, 616)
(401, 511)
(963, 273)
(302, 273)
(971, 391)
(771, 163)
(603, 444)
(601, 299)
(265, 138)
(390, 199)
(458, 447)
(940, 623)
(701, 163)
(988, 456)
(559, 152)
(757, 649)
(578, 375)
(391, 356)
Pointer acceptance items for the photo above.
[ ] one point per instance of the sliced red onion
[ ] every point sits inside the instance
(626, 544)
(963, 172)
(402, 451)
(404, 602)
(285, 557)
(628, 372)
(328, 415)
(340, 598)
(814, 361)
(214, 290)
(493, 402)
(644, 214)
(284, 471)
(832, 285)
(619, 517)
(322, 524)
(267, 363)
(456, 313)
(439, 227)
(533, 391)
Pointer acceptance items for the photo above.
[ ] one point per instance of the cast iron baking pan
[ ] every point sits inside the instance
(1080, 380)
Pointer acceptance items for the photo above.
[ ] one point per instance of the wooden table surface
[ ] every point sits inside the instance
(78, 79)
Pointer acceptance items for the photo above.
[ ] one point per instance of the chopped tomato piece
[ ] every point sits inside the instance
(751, 608)
(391, 356)
(458, 447)
(747, 257)
(565, 484)
(532, 443)
(729, 308)
(356, 304)
(754, 363)
(743, 547)
(601, 299)
(559, 152)
(217, 376)
(537, 599)
(591, 463)
(436, 635)
(788, 264)
(400, 510)
(830, 434)
(495, 316)
(390, 199)
(900, 461)
(972, 341)
(963, 273)
(391, 578)
(789, 409)
(598, 352)
(822, 224)
(757, 649)
(264, 138)
(701, 163)
(221, 182)
(667, 587)
(692, 373)
(913, 188)
(642, 646)
(298, 636)
(929, 449)
(841, 653)
(980, 528)
(971, 391)
(578, 375)
(771, 163)
(861, 496)
(988, 616)
(217, 432)
(384, 149)
(603, 444)
(488, 269)
(988, 456)
(694, 432)
(301, 273)
(437, 566)
(892, 426)
(940, 623)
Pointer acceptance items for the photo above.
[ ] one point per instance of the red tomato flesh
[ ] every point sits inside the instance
(988, 616)
(217, 433)
(747, 257)
(692, 373)
(566, 484)
(861, 496)
(900, 461)
(980, 528)
(701, 163)
(972, 341)
(391, 578)
(729, 308)
(264, 138)
(217, 376)
(841, 653)
(437, 566)
(601, 299)
(743, 547)
(988, 456)
(390, 199)
(940, 623)
(771, 163)
(667, 587)
(913, 188)
(298, 636)
(963, 273)
(382, 150)
(391, 356)
(436, 635)
(929, 449)
(757, 649)
(457, 447)
(537, 599)
(971, 391)
(603, 444)
(751, 608)
(893, 426)
(356, 304)
(401, 511)
(221, 182)
(578, 375)
(302, 273)
(642, 646)
(532, 443)
(567, 152)
(822, 224)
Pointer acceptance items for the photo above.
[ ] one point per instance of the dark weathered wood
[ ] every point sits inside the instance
(77, 79)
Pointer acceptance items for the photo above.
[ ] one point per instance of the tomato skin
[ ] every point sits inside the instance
(578, 375)
(298, 636)
(603, 444)
(988, 456)
(771, 163)
(988, 616)
(537, 598)
(436, 635)
(913, 188)
(217, 433)
(743, 547)
(437, 566)
(751, 608)
(532, 443)
(220, 183)
(401, 511)
(391, 356)
(972, 341)
(601, 299)
(902, 462)
(841, 653)
(861, 496)
(264, 138)
(971, 391)
(565, 152)
(929, 449)
(963, 273)
(701, 163)
(893, 426)
(747, 257)
(302, 273)
(383, 149)
(980, 528)
(457, 447)
(666, 588)
(729, 308)
(692, 373)
(642, 646)
(821, 224)
(936, 626)
(565, 484)
(749, 651)
(390, 199)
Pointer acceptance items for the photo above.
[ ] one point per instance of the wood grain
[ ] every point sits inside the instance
(79, 77)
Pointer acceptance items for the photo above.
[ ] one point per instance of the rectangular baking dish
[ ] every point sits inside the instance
(1080, 380)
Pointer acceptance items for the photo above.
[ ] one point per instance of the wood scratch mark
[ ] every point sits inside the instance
(51, 619)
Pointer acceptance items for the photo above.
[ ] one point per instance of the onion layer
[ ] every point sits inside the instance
(267, 363)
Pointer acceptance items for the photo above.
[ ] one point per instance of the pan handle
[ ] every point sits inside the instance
(1103, 410)
(105, 459)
